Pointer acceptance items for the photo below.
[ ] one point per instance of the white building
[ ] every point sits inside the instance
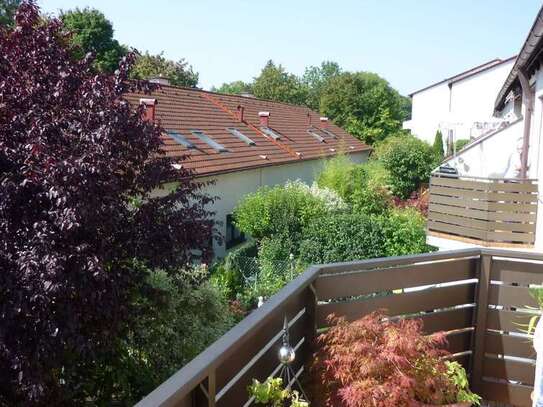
(494, 199)
(243, 143)
(460, 106)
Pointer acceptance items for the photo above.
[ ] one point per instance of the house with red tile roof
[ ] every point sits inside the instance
(244, 143)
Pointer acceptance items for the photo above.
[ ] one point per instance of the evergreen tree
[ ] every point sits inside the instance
(438, 144)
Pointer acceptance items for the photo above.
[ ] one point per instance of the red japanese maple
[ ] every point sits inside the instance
(376, 362)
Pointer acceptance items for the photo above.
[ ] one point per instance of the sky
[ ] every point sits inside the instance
(411, 43)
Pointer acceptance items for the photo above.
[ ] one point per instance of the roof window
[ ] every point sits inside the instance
(272, 133)
(316, 135)
(209, 141)
(180, 138)
(236, 133)
(328, 133)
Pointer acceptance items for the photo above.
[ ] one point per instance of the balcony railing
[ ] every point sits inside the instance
(480, 297)
(487, 212)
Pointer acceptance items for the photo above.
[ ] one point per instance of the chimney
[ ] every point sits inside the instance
(149, 112)
(324, 122)
(241, 113)
(264, 119)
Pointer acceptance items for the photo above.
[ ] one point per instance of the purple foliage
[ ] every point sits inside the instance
(77, 166)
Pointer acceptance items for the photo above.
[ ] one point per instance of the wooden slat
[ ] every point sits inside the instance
(511, 296)
(485, 196)
(370, 281)
(510, 345)
(517, 272)
(485, 186)
(447, 320)
(459, 341)
(512, 394)
(507, 369)
(457, 230)
(510, 237)
(509, 321)
(458, 220)
(470, 203)
(399, 304)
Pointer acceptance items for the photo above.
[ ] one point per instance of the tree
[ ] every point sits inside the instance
(316, 78)
(179, 73)
(7, 11)
(438, 145)
(234, 88)
(275, 83)
(364, 104)
(92, 32)
(79, 224)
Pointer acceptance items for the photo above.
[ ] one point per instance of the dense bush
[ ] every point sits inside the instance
(371, 200)
(409, 162)
(342, 237)
(190, 316)
(281, 210)
(342, 175)
(376, 361)
(405, 233)
(73, 155)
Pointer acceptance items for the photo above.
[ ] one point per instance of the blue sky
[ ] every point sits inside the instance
(411, 43)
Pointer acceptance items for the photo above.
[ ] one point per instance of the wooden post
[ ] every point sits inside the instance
(211, 389)
(311, 321)
(480, 322)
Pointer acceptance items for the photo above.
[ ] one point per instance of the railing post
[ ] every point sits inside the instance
(211, 388)
(311, 312)
(485, 264)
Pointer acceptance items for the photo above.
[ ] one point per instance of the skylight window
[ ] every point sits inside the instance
(236, 133)
(209, 141)
(316, 135)
(271, 133)
(180, 138)
(329, 133)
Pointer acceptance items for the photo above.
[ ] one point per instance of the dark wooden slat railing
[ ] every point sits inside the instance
(480, 297)
(489, 212)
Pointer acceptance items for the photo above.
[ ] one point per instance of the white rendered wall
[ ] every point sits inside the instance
(230, 188)
(466, 101)
(497, 156)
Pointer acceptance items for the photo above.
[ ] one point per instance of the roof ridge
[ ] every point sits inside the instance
(251, 126)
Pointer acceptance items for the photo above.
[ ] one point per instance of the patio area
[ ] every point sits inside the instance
(480, 297)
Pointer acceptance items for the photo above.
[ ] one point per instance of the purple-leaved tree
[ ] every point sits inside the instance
(78, 166)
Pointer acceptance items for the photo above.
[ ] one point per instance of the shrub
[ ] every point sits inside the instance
(438, 145)
(272, 393)
(342, 175)
(377, 175)
(342, 237)
(371, 200)
(404, 232)
(191, 315)
(375, 361)
(281, 210)
(409, 162)
(459, 144)
(73, 157)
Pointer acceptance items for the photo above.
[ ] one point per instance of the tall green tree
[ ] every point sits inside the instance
(315, 78)
(234, 88)
(438, 145)
(275, 83)
(364, 104)
(93, 32)
(179, 73)
(7, 11)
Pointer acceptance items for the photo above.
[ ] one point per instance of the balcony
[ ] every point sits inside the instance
(483, 211)
(479, 296)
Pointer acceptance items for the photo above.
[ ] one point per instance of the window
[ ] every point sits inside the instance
(209, 141)
(329, 133)
(180, 139)
(269, 132)
(233, 235)
(236, 133)
(316, 135)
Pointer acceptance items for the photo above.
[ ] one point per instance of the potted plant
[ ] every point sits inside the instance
(271, 393)
(377, 362)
